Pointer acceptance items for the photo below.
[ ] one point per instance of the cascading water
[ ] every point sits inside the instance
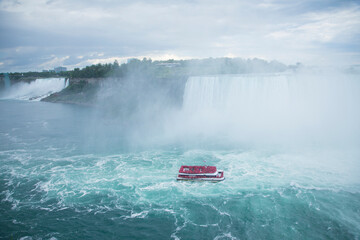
(259, 106)
(35, 90)
(6, 81)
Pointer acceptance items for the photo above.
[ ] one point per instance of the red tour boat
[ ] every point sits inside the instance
(200, 173)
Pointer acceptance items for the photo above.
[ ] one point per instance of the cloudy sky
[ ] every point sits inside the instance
(43, 34)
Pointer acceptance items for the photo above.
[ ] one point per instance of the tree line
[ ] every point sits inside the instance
(163, 69)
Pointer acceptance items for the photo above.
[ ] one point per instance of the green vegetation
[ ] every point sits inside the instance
(30, 75)
(176, 68)
(160, 69)
(135, 67)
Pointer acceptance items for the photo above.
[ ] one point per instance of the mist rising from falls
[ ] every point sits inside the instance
(282, 108)
(35, 90)
(272, 108)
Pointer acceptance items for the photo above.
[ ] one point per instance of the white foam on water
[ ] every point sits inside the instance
(123, 178)
(181, 221)
(141, 214)
(102, 209)
(141, 187)
(26, 238)
(217, 209)
(227, 235)
(9, 198)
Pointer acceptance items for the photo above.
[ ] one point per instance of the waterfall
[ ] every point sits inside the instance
(273, 105)
(231, 94)
(6, 81)
(35, 90)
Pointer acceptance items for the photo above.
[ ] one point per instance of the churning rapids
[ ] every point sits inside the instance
(288, 143)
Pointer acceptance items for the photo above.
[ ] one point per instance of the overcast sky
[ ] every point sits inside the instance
(43, 34)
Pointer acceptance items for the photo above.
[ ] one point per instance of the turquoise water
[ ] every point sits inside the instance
(63, 178)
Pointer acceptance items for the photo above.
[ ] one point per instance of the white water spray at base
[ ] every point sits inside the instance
(273, 108)
(35, 90)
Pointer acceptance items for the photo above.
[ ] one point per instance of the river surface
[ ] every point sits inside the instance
(64, 175)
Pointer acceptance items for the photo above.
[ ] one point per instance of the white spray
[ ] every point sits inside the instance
(35, 90)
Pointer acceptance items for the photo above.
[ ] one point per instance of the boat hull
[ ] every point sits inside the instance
(201, 179)
(185, 177)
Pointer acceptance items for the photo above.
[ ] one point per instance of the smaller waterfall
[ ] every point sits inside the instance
(6, 81)
(35, 90)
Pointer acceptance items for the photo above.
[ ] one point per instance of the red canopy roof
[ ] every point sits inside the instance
(197, 169)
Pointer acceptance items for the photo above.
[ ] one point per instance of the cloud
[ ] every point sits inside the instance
(287, 31)
(55, 61)
(324, 27)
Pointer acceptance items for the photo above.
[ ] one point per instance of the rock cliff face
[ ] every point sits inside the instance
(80, 91)
(84, 91)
